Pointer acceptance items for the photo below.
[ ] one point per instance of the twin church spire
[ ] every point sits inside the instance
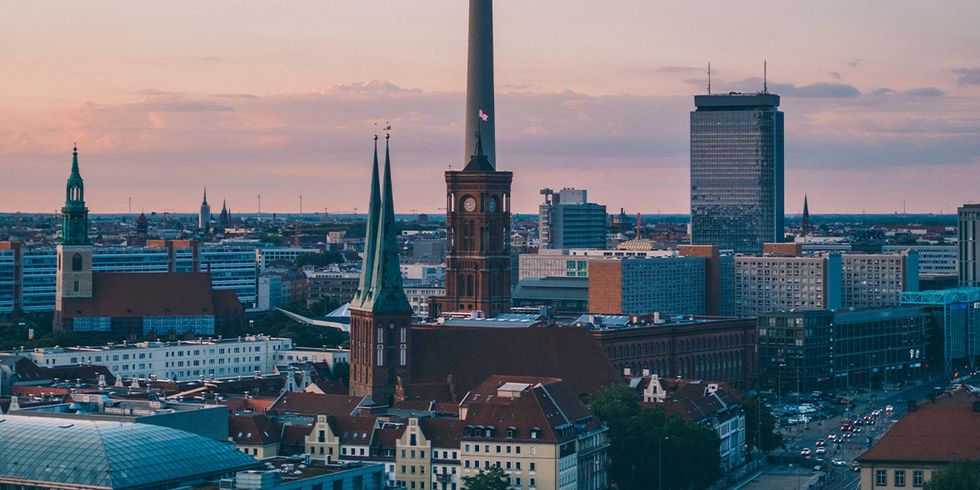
(380, 288)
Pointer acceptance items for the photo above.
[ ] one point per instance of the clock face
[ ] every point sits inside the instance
(469, 204)
(492, 204)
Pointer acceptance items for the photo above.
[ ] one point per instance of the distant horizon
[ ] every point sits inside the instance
(278, 100)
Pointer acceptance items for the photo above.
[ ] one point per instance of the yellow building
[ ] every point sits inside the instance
(924, 441)
(255, 435)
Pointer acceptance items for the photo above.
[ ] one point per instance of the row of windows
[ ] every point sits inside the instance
(898, 477)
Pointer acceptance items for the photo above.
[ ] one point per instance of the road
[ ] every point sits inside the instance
(805, 436)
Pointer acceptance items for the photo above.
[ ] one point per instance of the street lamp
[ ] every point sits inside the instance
(660, 461)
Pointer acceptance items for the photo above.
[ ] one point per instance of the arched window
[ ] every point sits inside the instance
(381, 354)
(403, 355)
(76, 262)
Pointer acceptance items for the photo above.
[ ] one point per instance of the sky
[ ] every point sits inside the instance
(281, 99)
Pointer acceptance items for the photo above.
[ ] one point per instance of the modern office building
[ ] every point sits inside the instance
(280, 256)
(721, 349)
(934, 260)
(641, 286)
(575, 262)
(800, 351)
(567, 220)
(956, 326)
(232, 266)
(561, 296)
(736, 171)
(969, 257)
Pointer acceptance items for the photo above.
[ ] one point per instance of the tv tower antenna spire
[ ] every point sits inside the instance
(709, 78)
(765, 82)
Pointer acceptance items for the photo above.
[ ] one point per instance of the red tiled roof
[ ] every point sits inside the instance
(352, 430)
(312, 404)
(253, 429)
(470, 355)
(134, 295)
(257, 405)
(386, 437)
(690, 401)
(546, 404)
(935, 433)
(295, 435)
(443, 433)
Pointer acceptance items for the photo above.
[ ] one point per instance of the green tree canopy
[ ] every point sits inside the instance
(961, 475)
(760, 425)
(647, 447)
(489, 479)
(320, 259)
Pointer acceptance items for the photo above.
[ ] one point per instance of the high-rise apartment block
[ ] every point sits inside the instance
(969, 227)
(567, 220)
(736, 171)
(783, 280)
(877, 280)
(776, 283)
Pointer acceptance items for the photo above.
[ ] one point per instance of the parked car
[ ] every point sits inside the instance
(855, 466)
(837, 462)
(805, 452)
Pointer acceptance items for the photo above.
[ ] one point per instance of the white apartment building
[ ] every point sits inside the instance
(181, 360)
(312, 354)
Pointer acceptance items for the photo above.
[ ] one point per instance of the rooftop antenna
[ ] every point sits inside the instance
(765, 81)
(709, 78)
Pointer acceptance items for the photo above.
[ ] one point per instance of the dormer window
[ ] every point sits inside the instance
(511, 432)
(535, 432)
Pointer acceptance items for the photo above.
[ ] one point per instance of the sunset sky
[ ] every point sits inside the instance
(882, 100)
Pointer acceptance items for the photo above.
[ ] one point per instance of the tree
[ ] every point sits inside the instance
(760, 425)
(320, 259)
(489, 479)
(961, 475)
(647, 446)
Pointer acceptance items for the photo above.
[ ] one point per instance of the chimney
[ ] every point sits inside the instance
(637, 225)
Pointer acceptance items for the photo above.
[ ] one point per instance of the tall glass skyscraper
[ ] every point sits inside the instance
(736, 171)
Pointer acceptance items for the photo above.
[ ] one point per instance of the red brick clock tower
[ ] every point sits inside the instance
(477, 239)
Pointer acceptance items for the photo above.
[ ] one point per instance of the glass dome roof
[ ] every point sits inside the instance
(106, 454)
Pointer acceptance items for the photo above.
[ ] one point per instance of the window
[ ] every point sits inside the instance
(881, 477)
(899, 478)
(76, 262)
(918, 478)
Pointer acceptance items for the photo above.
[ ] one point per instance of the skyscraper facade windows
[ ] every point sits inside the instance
(736, 171)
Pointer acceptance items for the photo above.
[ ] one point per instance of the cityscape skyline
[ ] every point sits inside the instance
(172, 116)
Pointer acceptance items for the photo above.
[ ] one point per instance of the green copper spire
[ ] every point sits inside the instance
(387, 294)
(74, 216)
(364, 288)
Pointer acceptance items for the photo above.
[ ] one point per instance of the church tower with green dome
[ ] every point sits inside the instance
(74, 277)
